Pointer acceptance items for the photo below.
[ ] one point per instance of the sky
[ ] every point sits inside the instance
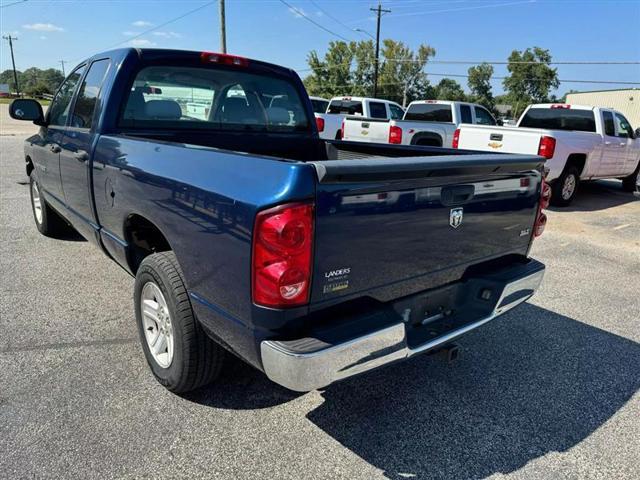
(460, 30)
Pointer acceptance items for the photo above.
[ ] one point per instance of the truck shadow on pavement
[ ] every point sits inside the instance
(529, 383)
(532, 382)
(599, 195)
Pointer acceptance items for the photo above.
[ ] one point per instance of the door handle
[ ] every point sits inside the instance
(55, 148)
(607, 143)
(81, 156)
(622, 144)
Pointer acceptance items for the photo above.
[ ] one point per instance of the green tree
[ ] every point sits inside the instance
(479, 82)
(531, 78)
(448, 89)
(332, 75)
(34, 80)
(348, 69)
(402, 77)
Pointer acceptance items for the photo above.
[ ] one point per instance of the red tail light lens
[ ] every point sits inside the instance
(282, 251)
(320, 124)
(456, 138)
(540, 224)
(541, 218)
(547, 147)
(223, 59)
(395, 135)
(341, 132)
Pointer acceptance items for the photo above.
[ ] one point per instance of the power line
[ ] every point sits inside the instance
(340, 22)
(303, 15)
(478, 62)
(11, 4)
(180, 17)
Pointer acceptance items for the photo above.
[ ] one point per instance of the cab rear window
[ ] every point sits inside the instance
(207, 98)
(429, 112)
(559, 119)
(350, 107)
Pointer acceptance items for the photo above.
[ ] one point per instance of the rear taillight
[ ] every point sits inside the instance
(223, 59)
(547, 147)
(281, 261)
(541, 218)
(456, 138)
(341, 132)
(395, 134)
(320, 124)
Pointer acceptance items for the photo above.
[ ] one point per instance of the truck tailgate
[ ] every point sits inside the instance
(370, 130)
(499, 139)
(389, 227)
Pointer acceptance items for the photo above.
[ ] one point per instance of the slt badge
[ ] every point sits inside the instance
(455, 217)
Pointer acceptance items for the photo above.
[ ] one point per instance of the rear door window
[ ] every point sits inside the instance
(177, 97)
(348, 107)
(559, 119)
(609, 126)
(377, 110)
(465, 114)
(319, 106)
(88, 95)
(429, 112)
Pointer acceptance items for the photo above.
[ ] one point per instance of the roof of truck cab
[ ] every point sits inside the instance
(362, 99)
(562, 105)
(155, 54)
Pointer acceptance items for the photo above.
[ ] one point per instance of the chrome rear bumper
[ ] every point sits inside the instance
(307, 364)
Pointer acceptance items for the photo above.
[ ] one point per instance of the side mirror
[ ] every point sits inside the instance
(500, 122)
(637, 132)
(27, 109)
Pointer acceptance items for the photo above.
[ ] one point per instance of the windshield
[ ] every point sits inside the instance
(429, 112)
(206, 98)
(559, 119)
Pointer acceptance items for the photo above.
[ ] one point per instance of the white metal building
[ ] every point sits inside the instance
(626, 101)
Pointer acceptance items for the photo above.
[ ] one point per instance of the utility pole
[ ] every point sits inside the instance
(62, 62)
(13, 62)
(379, 11)
(223, 29)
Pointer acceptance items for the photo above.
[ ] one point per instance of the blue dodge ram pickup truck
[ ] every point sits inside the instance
(203, 175)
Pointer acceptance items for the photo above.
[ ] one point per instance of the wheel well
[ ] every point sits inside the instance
(29, 166)
(577, 160)
(144, 238)
(427, 139)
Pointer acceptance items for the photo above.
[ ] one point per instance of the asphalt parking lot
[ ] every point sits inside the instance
(550, 390)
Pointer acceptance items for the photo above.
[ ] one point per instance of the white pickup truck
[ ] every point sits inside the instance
(330, 123)
(579, 142)
(426, 122)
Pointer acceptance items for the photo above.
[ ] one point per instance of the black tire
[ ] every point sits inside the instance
(630, 183)
(49, 223)
(557, 197)
(197, 360)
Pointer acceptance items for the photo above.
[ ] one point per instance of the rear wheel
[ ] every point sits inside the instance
(565, 187)
(630, 183)
(48, 222)
(181, 356)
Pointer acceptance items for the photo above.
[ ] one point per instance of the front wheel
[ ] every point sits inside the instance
(181, 356)
(48, 222)
(632, 182)
(565, 187)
